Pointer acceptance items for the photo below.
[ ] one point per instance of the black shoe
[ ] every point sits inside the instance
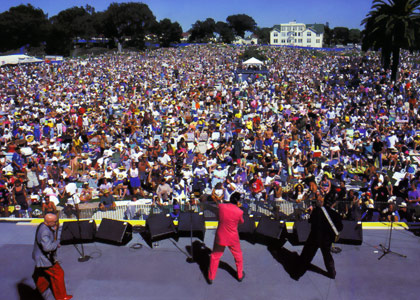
(243, 276)
(209, 281)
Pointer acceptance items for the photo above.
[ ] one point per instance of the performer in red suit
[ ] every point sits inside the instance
(230, 216)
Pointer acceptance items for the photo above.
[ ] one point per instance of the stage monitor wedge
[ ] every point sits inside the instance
(271, 231)
(191, 221)
(160, 226)
(114, 232)
(77, 232)
(301, 230)
(352, 233)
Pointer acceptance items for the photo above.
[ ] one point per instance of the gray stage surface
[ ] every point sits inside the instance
(163, 272)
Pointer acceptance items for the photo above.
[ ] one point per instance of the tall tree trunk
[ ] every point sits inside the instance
(386, 58)
(395, 63)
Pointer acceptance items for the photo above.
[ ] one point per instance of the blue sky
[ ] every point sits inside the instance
(347, 13)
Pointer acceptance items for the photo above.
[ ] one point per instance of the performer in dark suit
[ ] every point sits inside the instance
(48, 274)
(230, 216)
(322, 235)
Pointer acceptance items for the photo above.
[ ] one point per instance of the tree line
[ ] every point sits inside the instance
(131, 24)
(125, 23)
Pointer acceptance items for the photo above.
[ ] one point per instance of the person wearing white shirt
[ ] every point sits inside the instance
(52, 192)
(219, 175)
(72, 200)
(165, 159)
(392, 140)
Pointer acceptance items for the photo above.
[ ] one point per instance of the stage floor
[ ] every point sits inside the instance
(163, 273)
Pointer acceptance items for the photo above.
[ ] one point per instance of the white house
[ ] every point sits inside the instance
(297, 34)
(250, 40)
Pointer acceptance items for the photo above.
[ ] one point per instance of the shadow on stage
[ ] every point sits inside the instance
(201, 256)
(291, 262)
(27, 292)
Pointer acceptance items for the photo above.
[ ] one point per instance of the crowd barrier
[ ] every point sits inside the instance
(282, 209)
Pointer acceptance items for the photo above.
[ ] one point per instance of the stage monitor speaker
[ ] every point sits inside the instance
(352, 233)
(301, 230)
(114, 232)
(271, 231)
(160, 226)
(76, 232)
(414, 227)
(247, 228)
(191, 221)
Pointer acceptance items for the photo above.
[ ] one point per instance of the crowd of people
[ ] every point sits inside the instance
(180, 125)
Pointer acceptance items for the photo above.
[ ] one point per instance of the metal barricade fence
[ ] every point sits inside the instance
(287, 208)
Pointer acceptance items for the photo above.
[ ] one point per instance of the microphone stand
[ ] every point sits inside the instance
(83, 257)
(387, 250)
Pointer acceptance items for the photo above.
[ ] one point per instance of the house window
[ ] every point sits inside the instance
(318, 41)
(294, 28)
(308, 41)
(275, 34)
(276, 41)
(318, 35)
(300, 41)
(283, 41)
(308, 34)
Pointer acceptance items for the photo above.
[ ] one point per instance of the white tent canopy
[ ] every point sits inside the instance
(18, 59)
(253, 61)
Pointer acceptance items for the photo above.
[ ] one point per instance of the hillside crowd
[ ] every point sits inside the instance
(180, 125)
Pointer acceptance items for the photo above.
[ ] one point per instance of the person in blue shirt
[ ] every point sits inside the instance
(176, 210)
(17, 161)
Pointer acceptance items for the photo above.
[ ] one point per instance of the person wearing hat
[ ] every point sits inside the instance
(86, 193)
(120, 185)
(405, 216)
(325, 225)
(48, 274)
(51, 191)
(107, 201)
(391, 213)
(176, 211)
(230, 216)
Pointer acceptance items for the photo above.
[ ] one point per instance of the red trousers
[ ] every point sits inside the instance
(218, 253)
(52, 277)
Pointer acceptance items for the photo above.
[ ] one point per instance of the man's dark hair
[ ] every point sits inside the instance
(235, 198)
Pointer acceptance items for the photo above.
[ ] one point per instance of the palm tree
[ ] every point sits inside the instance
(390, 26)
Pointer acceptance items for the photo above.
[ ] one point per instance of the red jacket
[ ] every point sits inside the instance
(230, 216)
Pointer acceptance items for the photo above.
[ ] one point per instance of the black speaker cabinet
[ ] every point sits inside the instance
(352, 233)
(301, 230)
(247, 228)
(191, 221)
(160, 226)
(78, 232)
(271, 232)
(114, 232)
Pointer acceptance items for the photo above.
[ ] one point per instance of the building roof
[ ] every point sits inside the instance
(318, 28)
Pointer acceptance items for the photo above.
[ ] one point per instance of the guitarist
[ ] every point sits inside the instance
(325, 225)
(48, 274)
